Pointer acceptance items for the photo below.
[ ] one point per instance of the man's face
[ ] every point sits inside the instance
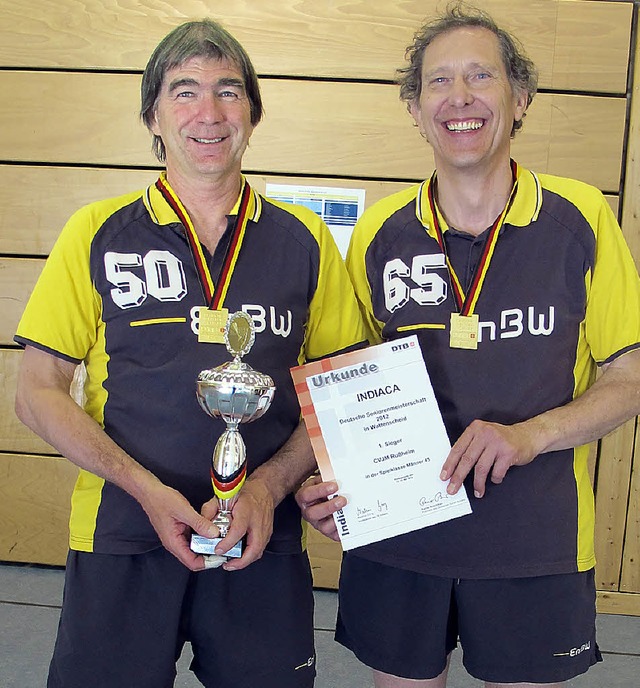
(467, 107)
(203, 116)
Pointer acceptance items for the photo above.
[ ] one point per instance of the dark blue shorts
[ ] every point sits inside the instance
(517, 630)
(126, 618)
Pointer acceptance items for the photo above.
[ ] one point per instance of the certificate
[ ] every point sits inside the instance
(376, 429)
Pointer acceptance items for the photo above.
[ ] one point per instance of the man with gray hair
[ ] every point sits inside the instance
(518, 286)
(125, 291)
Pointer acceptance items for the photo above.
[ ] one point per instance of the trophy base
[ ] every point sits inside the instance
(203, 545)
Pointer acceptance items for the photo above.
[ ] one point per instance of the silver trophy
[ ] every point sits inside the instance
(237, 393)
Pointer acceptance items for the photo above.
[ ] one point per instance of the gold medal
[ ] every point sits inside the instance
(464, 329)
(463, 332)
(212, 325)
(212, 320)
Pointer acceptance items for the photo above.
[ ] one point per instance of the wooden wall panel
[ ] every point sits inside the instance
(14, 436)
(36, 202)
(17, 279)
(631, 207)
(612, 487)
(34, 508)
(618, 603)
(325, 557)
(631, 227)
(604, 28)
(359, 130)
(576, 45)
(573, 141)
(73, 118)
(631, 555)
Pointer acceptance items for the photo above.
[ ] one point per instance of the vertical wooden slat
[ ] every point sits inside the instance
(631, 201)
(631, 227)
(631, 555)
(614, 472)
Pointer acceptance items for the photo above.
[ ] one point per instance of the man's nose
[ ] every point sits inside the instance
(210, 110)
(459, 93)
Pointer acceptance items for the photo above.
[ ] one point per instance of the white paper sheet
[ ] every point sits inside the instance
(376, 429)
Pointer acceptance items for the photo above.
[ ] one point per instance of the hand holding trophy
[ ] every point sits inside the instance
(237, 393)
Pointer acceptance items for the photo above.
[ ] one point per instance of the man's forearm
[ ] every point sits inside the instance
(612, 400)
(289, 467)
(43, 404)
(491, 449)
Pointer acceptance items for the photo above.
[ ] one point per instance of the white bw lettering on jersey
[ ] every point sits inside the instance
(164, 277)
(512, 324)
(418, 283)
(279, 324)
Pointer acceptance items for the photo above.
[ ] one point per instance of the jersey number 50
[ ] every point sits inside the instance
(163, 277)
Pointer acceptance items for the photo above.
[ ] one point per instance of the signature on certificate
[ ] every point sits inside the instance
(365, 512)
(437, 497)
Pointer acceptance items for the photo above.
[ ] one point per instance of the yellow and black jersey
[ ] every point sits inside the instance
(561, 296)
(121, 292)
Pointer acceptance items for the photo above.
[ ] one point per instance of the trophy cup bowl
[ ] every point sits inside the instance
(237, 394)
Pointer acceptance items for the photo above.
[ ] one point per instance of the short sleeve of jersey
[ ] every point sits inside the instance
(612, 322)
(335, 323)
(363, 234)
(63, 311)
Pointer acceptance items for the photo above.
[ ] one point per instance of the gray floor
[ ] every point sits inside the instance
(30, 598)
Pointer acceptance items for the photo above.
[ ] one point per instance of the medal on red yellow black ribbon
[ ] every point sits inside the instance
(213, 319)
(464, 324)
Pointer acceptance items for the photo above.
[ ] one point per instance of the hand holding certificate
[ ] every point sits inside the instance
(376, 429)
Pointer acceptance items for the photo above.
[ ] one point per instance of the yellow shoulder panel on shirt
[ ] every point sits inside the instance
(363, 234)
(375, 216)
(585, 197)
(612, 322)
(68, 268)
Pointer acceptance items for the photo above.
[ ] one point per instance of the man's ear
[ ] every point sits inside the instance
(521, 104)
(153, 123)
(416, 113)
